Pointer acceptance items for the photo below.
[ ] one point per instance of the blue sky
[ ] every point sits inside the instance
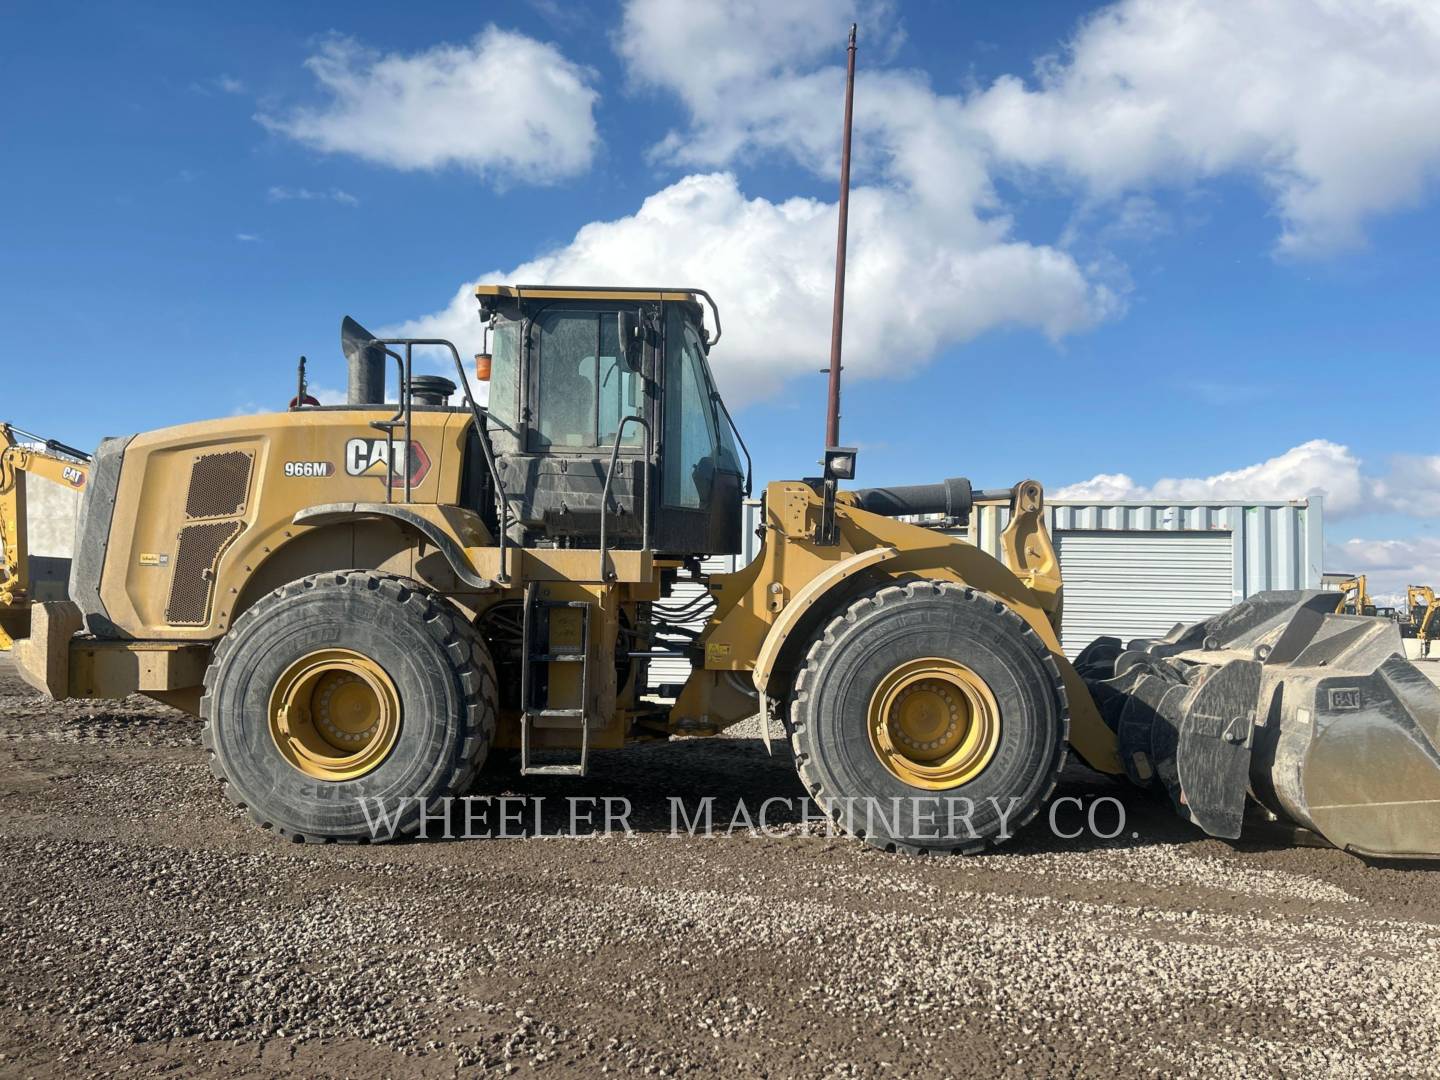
(1146, 248)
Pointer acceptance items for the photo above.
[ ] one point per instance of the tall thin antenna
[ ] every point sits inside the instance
(837, 320)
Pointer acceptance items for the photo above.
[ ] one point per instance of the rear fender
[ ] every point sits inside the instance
(451, 529)
(334, 537)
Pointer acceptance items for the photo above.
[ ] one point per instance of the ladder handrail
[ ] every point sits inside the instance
(605, 574)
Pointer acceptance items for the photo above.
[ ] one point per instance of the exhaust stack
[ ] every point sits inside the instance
(366, 357)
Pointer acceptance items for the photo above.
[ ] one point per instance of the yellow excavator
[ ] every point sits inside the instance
(1354, 599)
(1420, 608)
(21, 455)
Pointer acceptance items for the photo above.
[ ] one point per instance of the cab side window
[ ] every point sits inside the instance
(584, 391)
(690, 434)
(504, 391)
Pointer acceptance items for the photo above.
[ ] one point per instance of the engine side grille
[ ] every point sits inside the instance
(219, 484)
(199, 551)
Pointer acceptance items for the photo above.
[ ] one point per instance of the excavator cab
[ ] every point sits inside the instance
(605, 421)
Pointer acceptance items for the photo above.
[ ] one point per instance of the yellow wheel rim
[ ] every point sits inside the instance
(933, 723)
(334, 714)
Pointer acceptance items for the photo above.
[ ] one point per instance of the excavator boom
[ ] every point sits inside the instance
(1360, 604)
(21, 455)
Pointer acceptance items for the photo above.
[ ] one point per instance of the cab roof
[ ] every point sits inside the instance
(586, 292)
(491, 295)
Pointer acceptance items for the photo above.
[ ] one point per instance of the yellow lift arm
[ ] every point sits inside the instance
(50, 460)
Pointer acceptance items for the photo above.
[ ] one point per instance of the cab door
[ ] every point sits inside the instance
(581, 388)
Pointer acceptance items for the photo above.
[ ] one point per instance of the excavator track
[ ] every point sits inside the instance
(1280, 703)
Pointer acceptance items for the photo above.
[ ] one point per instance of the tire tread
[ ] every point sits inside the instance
(811, 672)
(474, 669)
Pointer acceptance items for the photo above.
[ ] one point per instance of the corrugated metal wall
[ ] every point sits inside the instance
(1269, 545)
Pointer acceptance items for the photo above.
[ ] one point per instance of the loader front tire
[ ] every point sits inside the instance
(343, 705)
(929, 717)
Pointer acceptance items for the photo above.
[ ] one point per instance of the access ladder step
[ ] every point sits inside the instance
(557, 718)
(553, 718)
(535, 711)
(554, 770)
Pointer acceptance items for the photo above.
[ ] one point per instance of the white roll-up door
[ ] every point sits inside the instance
(1140, 584)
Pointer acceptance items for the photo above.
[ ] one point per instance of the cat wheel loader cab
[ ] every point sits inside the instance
(363, 601)
(580, 377)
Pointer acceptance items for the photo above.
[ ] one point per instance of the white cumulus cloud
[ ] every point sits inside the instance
(1330, 103)
(504, 105)
(932, 260)
(1407, 485)
(914, 284)
(1388, 565)
(1317, 467)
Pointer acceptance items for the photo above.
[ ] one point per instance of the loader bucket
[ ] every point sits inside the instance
(1316, 717)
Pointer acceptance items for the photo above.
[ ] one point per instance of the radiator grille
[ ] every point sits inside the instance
(200, 548)
(219, 484)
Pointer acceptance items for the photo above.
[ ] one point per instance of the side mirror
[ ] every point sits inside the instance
(631, 341)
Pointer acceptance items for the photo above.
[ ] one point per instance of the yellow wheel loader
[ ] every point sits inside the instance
(362, 601)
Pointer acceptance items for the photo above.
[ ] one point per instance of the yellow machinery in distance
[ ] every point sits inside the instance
(1420, 610)
(48, 460)
(1354, 599)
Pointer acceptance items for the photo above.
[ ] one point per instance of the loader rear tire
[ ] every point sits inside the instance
(347, 700)
(984, 739)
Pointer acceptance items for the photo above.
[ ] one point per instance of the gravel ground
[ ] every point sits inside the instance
(145, 928)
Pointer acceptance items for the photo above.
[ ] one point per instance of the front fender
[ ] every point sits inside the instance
(812, 591)
(769, 609)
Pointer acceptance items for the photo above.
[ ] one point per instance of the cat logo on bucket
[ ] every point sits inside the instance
(371, 457)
